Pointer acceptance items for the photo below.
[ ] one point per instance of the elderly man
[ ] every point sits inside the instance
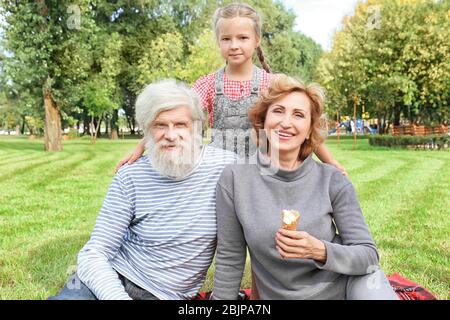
(155, 235)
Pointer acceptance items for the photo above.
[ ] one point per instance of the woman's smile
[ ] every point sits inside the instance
(283, 134)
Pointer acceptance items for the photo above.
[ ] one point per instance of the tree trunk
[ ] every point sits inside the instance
(31, 128)
(22, 129)
(397, 114)
(99, 125)
(388, 120)
(52, 132)
(379, 123)
(131, 125)
(86, 124)
(97, 128)
(107, 126)
(114, 132)
(383, 123)
(92, 130)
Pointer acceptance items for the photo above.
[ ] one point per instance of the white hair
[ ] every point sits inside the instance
(163, 96)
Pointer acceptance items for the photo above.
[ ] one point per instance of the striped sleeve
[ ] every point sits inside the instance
(94, 267)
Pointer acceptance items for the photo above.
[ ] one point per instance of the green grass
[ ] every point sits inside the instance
(49, 202)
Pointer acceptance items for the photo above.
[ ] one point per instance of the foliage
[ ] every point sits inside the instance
(96, 56)
(204, 58)
(400, 64)
(286, 50)
(161, 59)
(425, 142)
(46, 53)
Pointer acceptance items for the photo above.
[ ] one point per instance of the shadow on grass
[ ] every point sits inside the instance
(68, 169)
(51, 263)
(21, 145)
(34, 165)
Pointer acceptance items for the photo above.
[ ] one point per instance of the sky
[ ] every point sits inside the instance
(319, 19)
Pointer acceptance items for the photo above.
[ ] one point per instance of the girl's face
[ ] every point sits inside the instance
(237, 40)
(288, 123)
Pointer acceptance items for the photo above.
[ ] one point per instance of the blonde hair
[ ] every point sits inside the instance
(281, 86)
(245, 11)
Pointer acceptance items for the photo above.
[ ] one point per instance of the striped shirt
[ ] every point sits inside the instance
(158, 232)
(233, 89)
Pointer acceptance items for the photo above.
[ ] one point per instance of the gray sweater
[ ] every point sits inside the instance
(250, 199)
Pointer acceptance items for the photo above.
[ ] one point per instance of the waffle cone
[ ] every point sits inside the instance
(293, 224)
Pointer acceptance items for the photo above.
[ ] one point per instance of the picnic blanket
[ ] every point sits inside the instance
(409, 290)
(404, 288)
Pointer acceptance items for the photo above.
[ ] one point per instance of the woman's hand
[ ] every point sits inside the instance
(325, 156)
(339, 166)
(133, 156)
(300, 244)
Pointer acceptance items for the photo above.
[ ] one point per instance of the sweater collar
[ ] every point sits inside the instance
(267, 168)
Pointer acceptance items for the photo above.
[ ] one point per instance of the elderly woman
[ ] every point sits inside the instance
(331, 255)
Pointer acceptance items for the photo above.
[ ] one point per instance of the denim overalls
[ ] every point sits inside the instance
(231, 127)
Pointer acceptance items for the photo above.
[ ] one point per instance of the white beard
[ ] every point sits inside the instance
(176, 163)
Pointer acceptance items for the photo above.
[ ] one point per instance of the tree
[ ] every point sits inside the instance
(204, 57)
(50, 50)
(76, 61)
(287, 51)
(399, 64)
(101, 93)
(144, 26)
(161, 59)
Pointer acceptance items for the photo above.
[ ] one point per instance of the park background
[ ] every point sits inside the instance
(70, 72)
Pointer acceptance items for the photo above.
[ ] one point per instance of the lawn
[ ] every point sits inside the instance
(49, 202)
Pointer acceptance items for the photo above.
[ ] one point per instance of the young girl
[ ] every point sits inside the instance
(228, 93)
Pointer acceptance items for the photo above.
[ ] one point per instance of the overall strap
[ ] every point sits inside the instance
(257, 74)
(219, 83)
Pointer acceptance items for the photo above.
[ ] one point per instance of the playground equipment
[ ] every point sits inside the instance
(347, 127)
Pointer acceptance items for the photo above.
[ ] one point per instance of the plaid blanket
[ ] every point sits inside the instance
(404, 288)
(409, 290)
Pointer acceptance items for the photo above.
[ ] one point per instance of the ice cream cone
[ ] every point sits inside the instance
(290, 219)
